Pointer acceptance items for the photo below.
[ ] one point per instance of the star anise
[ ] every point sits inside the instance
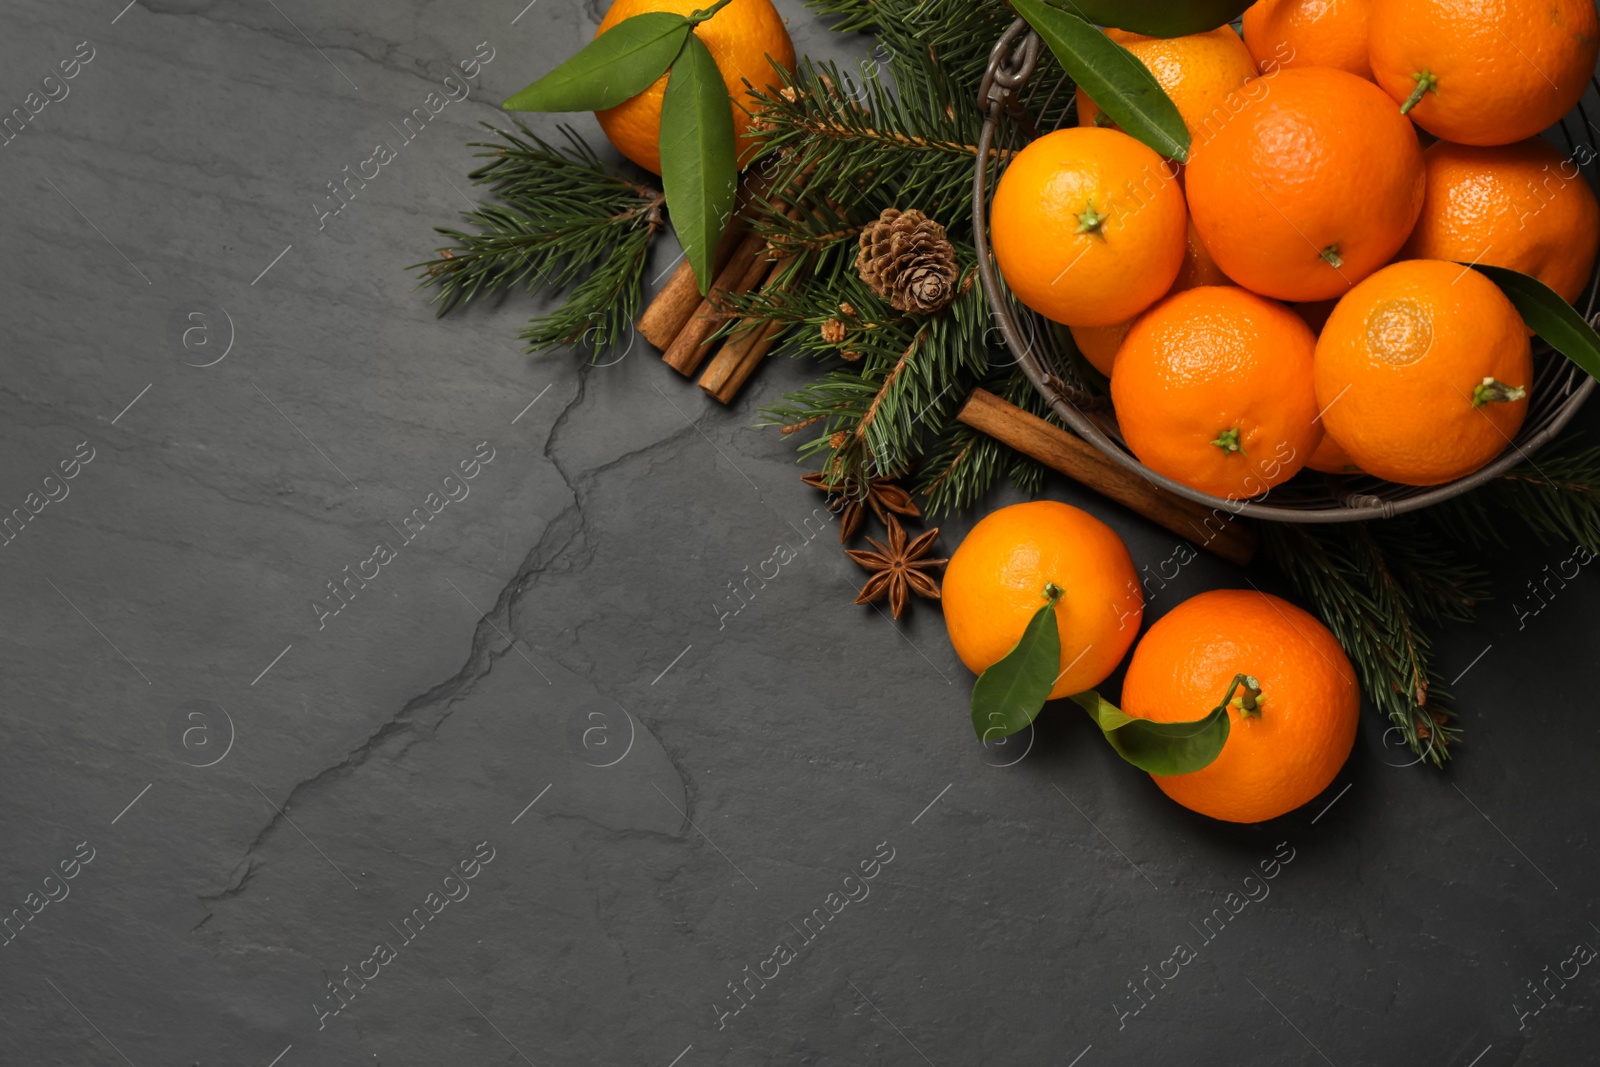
(882, 496)
(897, 569)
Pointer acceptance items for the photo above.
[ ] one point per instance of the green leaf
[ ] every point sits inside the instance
(698, 170)
(1159, 747)
(1113, 76)
(1160, 18)
(620, 63)
(1549, 316)
(1009, 695)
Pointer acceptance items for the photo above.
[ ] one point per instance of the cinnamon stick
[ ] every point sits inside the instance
(753, 339)
(666, 314)
(738, 359)
(1215, 530)
(745, 269)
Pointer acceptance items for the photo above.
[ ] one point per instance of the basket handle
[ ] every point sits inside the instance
(1010, 65)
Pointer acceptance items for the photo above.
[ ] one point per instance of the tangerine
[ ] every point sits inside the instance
(740, 38)
(1524, 206)
(1213, 388)
(1311, 188)
(1290, 731)
(1331, 458)
(1283, 34)
(1088, 226)
(1099, 344)
(1422, 372)
(1484, 74)
(1198, 267)
(995, 582)
(1202, 73)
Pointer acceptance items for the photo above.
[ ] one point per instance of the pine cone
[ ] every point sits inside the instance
(906, 259)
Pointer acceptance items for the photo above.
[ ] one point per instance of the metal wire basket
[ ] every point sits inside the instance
(1016, 110)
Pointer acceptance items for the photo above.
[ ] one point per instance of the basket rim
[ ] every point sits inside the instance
(1008, 71)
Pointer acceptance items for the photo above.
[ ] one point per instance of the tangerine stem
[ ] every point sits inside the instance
(1091, 220)
(1053, 592)
(705, 13)
(1427, 82)
(1228, 441)
(1249, 700)
(1491, 391)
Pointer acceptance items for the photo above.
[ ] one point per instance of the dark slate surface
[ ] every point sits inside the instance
(649, 794)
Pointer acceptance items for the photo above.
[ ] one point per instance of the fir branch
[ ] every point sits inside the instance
(564, 219)
(909, 373)
(1556, 496)
(600, 310)
(958, 31)
(1374, 584)
(862, 132)
(963, 464)
(860, 142)
(1025, 472)
(864, 427)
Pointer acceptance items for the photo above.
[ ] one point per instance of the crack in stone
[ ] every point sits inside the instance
(564, 530)
(480, 661)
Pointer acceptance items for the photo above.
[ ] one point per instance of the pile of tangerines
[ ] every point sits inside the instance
(1296, 293)
(1299, 292)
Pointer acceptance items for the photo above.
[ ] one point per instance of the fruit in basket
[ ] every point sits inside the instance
(1311, 188)
(1423, 372)
(995, 582)
(1088, 226)
(1291, 726)
(1198, 267)
(1524, 206)
(1331, 457)
(1484, 74)
(1200, 72)
(1099, 344)
(1213, 388)
(740, 37)
(1283, 34)
(1315, 313)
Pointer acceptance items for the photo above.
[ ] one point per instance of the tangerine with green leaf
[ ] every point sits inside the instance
(1294, 704)
(997, 579)
(1422, 372)
(741, 37)
(1201, 72)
